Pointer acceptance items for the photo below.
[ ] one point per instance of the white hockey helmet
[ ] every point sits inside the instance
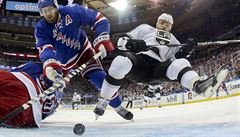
(166, 17)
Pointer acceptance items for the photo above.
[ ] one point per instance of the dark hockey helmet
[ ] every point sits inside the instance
(45, 3)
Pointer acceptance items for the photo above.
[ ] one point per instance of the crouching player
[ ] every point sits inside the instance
(18, 87)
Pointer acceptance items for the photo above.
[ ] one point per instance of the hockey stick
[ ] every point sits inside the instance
(203, 44)
(141, 46)
(49, 90)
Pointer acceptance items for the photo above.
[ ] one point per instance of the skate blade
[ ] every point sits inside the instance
(96, 117)
(221, 76)
(132, 120)
(209, 92)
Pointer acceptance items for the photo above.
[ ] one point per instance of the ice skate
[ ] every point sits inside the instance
(100, 107)
(124, 113)
(209, 86)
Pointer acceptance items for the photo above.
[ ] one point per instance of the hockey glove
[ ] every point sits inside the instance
(133, 45)
(121, 44)
(103, 44)
(53, 71)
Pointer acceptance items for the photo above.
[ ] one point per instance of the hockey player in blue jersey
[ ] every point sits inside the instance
(64, 45)
(18, 87)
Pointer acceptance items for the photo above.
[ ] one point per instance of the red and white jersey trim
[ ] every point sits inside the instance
(33, 91)
(42, 48)
(73, 61)
(99, 18)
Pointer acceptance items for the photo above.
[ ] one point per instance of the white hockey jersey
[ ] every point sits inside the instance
(76, 98)
(148, 34)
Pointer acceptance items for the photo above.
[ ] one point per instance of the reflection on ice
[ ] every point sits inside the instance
(218, 118)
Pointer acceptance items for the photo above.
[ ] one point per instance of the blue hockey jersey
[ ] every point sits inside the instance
(64, 39)
(33, 70)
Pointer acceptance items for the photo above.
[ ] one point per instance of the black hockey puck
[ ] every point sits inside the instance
(79, 129)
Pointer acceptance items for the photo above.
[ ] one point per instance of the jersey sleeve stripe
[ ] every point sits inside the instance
(99, 18)
(75, 59)
(42, 48)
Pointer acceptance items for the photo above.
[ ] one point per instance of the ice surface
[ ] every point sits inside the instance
(218, 118)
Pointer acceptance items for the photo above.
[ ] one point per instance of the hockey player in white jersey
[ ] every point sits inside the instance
(157, 91)
(76, 100)
(150, 92)
(147, 58)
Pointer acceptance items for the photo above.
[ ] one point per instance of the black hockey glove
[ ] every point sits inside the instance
(135, 45)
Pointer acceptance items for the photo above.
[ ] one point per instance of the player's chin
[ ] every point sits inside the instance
(164, 29)
(52, 20)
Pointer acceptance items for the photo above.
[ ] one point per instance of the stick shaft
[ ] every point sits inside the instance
(225, 42)
(203, 44)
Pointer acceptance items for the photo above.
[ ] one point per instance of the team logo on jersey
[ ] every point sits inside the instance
(163, 37)
(68, 20)
(72, 43)
(59, 36)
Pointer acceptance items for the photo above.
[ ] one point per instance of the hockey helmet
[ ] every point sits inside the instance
(166, 17)
(45, 3)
